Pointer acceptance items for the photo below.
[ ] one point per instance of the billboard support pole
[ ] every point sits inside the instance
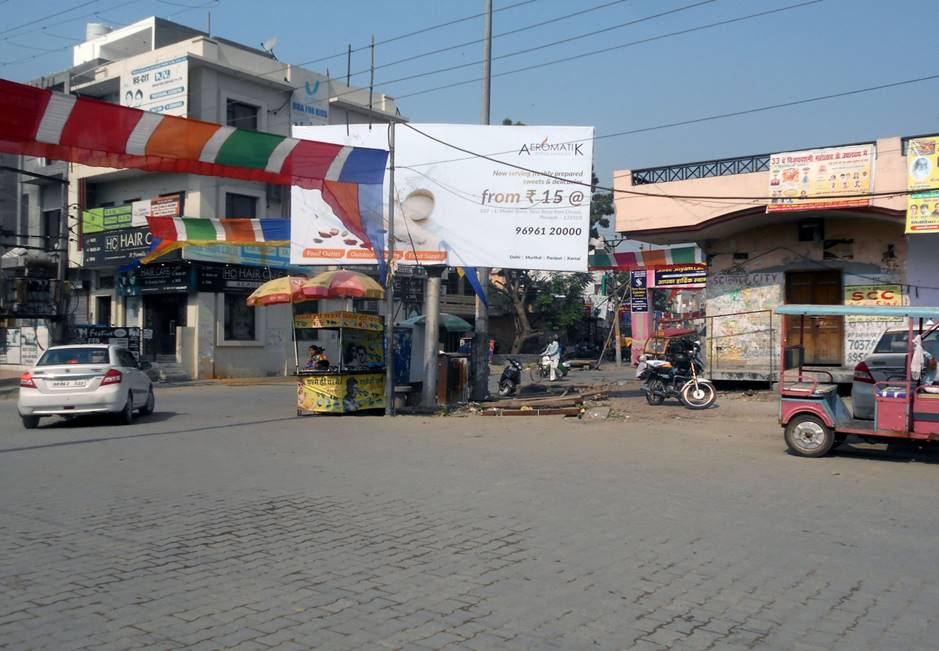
(480, 357)
(389, 280)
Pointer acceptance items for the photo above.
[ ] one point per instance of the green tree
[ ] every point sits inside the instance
(601, 207)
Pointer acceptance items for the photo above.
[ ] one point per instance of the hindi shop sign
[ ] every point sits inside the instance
(681, 276)
(115, 248)
(839, 174)
(462, 210)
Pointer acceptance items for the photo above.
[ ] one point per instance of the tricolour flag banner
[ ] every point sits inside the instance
(172, 233)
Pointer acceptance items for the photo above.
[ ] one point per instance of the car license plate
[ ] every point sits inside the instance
(67, 384)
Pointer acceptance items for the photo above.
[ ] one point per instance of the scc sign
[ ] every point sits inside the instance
(873, 295)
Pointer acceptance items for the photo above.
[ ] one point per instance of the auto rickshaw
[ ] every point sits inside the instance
(816, 419)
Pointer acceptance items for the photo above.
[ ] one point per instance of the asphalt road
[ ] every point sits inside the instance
(224, 522)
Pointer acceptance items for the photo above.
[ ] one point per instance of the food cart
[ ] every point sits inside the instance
(353, 375)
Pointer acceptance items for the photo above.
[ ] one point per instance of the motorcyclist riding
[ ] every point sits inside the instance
(553, 353)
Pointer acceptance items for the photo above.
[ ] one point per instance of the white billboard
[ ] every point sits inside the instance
(161, 87)
(463, 210)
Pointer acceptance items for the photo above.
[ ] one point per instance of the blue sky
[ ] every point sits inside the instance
(828, 47)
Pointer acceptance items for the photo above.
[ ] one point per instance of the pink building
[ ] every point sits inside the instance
(764, 247)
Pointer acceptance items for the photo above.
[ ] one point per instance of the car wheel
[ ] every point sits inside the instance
(30, 422)
(808, 436)
(126, 415)
(147, 409)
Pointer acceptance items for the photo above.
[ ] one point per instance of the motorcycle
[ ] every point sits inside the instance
(542, 371)
(510, 379)
(677, 376)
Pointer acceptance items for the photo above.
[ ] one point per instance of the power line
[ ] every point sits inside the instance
(710, 118)
(44, 18)
(615, 47)
(594, 187)
(517, 30)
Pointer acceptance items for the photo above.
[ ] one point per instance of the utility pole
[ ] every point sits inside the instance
(481, 340)
(431, 335)
(389, 280)
(61, 324)
(616, 331)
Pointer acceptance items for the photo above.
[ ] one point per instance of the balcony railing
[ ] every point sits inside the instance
(702, 170)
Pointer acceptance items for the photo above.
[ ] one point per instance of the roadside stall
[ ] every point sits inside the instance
(342, 365)
(348, 373)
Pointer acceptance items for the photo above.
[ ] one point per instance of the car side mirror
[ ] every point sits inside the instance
(143, 365)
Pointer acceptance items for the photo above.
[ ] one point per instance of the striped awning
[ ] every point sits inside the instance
(171, 233)
(602, 260)
(40, 122)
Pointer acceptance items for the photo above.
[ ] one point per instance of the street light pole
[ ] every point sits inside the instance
(481, 328)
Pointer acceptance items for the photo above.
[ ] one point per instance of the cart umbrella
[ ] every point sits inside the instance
(277, 291)
(342, 284)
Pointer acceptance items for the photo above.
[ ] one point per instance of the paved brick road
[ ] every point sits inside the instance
(207, 527)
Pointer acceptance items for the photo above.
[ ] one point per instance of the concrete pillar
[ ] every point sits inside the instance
(431, 335)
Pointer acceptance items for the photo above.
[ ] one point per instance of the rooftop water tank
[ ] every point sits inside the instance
(96, 30)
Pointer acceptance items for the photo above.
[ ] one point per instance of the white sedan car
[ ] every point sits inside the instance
(85, 379)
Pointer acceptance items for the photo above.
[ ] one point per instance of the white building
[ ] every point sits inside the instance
(191, 309)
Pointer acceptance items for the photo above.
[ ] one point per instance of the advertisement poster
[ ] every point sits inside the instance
(463, 210)
(160, 88)
(362, 349)
(115, 248)
(341, 393)
(681, 276)
(922, 212)
(638, 293)
(156, 279)
(861, 333)
(128, 338)
(309, 104)
(169, 206)
(797, 176)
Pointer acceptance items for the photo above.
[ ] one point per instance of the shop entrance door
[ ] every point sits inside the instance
(823, 336)
(162, 313)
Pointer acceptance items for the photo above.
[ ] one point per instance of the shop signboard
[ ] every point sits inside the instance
(166, 278)
(255, 256)
(234, 279)
(861, 333)
(128, 338)
(922, 212)
(681, 276)
(115, 248)
(353, 320)
(309, 103)
(837, 173)
(638, 292)
(463, 210)
(114, 218)
(162, 87)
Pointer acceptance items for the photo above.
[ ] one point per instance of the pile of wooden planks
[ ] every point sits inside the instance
(563, 405)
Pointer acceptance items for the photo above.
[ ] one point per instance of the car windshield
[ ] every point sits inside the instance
(65, 356)
(895, 342)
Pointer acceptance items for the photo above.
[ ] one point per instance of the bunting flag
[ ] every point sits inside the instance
(469, 273)
(40, 122)
(172, 233)
(602, 260)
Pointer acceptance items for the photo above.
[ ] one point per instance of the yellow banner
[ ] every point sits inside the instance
(341, 393)
(798, 178)
(339, 320)
(922, 208)
(857, 295)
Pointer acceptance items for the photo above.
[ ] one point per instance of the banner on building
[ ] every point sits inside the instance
(798, 178)
(160, 87)
(113, 218)
(462, 210)
(115, 248)
(922, 212)
(166, 278)
(638, 292)
(234, 279)
(168, 206)
(683, 276)
(309, 104)
(881, 295)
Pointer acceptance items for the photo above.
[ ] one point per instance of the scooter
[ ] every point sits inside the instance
(510, 379)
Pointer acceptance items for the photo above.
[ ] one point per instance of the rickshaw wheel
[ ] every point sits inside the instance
(808, 436)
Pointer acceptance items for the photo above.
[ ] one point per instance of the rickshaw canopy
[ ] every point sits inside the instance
(887, 311)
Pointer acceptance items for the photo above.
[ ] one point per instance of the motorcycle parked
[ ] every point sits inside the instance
(510, 379)
(678, 375)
